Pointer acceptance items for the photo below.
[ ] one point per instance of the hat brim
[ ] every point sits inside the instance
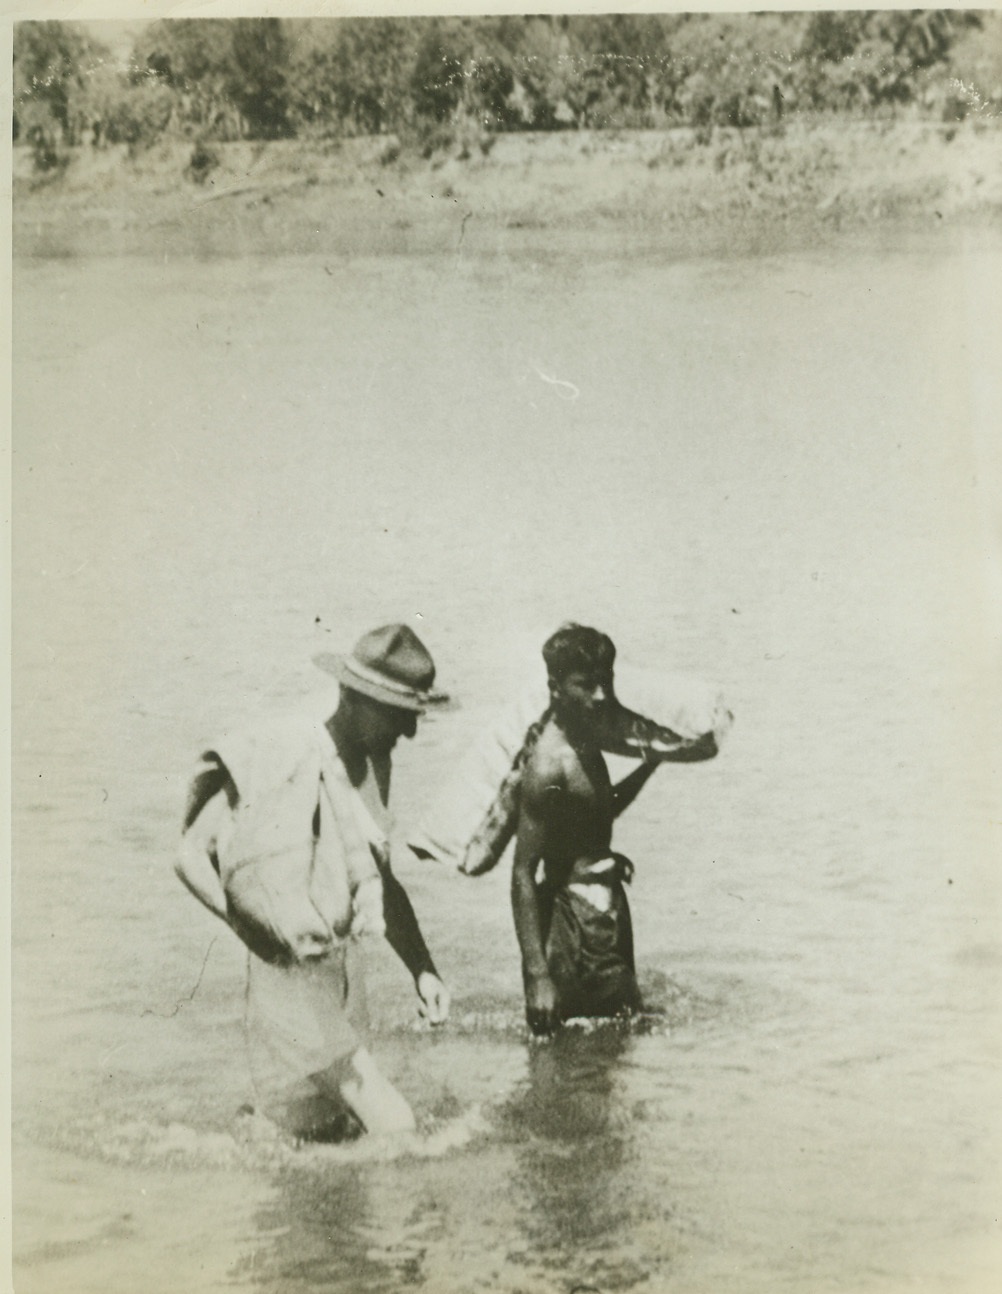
(419, 702)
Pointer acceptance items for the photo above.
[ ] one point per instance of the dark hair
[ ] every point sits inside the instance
(576, 648)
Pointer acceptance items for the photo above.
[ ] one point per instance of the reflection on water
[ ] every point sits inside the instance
(567, 1097)
(565, 1137)
(586, 1194)
(574, 1139)
(314, 1231)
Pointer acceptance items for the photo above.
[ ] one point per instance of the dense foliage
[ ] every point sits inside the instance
(435, 80)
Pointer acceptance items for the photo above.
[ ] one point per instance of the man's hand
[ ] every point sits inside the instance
(434, 998)
(541, 1004)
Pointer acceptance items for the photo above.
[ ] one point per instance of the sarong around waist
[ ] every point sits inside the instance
(589, 950)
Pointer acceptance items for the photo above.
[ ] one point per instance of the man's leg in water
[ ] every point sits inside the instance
(304, 1027)
(356, 1081)
(332, 1103)
(372, 1097)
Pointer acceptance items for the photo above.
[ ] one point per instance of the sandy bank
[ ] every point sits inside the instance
(743, 192)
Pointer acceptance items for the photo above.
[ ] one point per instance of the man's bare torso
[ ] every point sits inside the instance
(573, 799)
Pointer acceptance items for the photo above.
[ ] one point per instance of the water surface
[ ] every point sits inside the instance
(772, 472)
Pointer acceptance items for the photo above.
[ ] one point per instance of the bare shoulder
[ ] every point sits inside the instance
(546, 769)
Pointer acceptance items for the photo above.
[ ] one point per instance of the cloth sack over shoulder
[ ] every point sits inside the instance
(291, 893)
(472, 821)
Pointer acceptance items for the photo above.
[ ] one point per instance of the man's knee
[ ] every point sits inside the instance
(372, 1096)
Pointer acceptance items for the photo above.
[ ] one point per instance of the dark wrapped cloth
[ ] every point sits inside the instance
(589, 949)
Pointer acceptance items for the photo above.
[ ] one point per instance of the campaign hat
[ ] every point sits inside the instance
(391, 665)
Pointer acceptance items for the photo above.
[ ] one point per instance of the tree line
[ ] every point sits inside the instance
(432, 80)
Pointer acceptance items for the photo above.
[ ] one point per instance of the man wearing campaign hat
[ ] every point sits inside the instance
(286, 839)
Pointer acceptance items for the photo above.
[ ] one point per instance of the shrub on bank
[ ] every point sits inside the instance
(441, 84)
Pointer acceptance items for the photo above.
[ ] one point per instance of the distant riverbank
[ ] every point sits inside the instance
(741, 192)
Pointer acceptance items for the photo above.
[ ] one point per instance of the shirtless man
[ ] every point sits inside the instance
(573, 921)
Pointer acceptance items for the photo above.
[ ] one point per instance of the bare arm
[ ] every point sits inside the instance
(692, 750)
(207, 820)
(402, 929)
(626, 791)
(657, 744)
(404, 936)
(540, 991)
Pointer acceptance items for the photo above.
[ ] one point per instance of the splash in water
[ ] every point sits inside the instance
(257, 1143)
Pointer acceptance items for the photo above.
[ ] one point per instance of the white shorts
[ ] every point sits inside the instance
(301, 1020)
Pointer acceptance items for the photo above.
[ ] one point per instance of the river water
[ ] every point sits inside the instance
(773, 472)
